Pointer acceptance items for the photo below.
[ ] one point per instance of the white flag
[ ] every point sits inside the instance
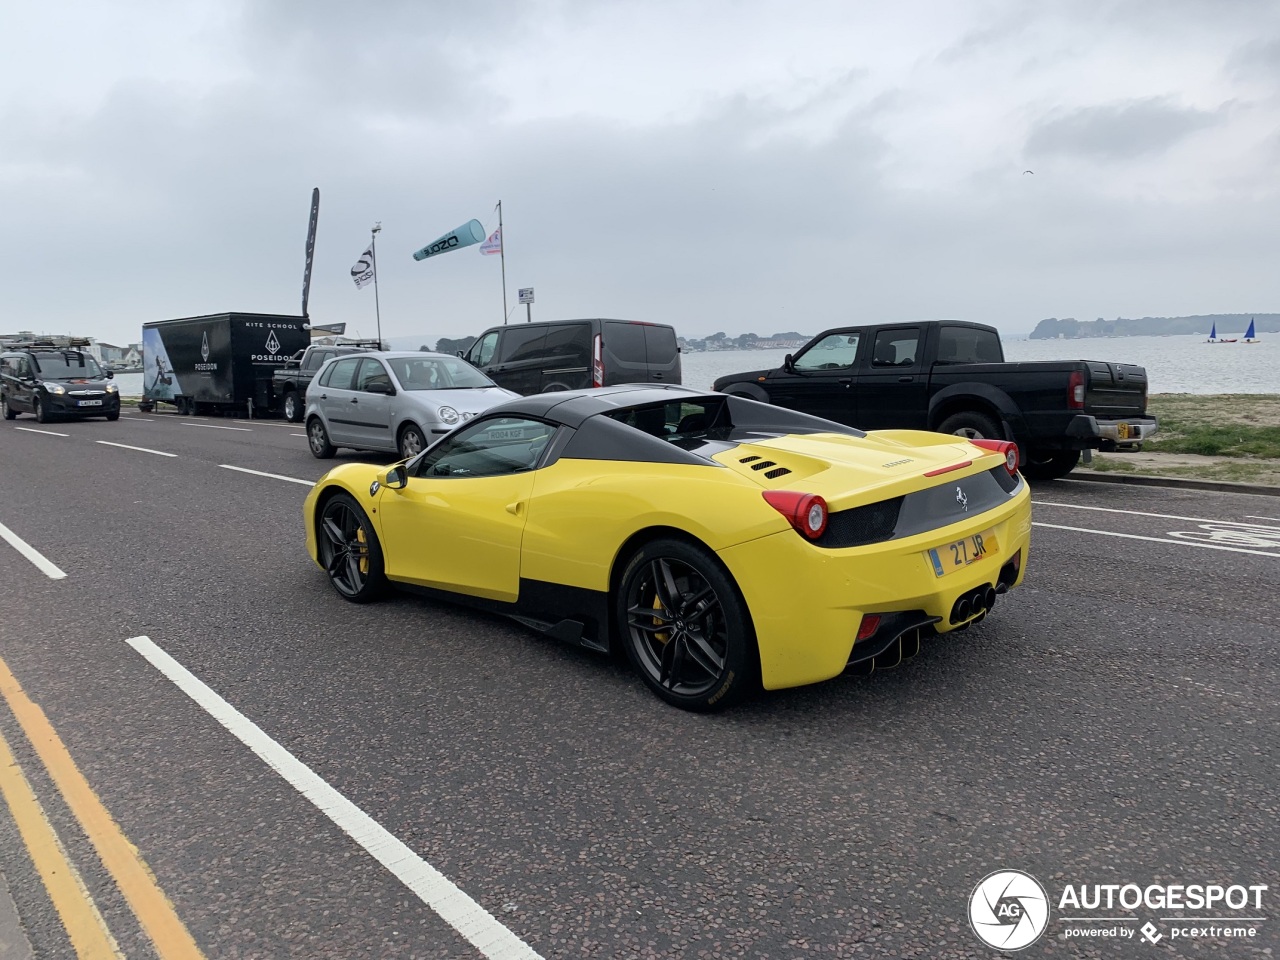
(493, 244)
(364, 269)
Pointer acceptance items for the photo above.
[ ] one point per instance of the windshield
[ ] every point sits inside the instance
(437, 373)
(66, 366)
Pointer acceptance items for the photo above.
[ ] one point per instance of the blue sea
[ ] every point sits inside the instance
(1181, 364)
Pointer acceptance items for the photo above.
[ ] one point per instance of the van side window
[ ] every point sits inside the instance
(569, 343)
(481, 352)
(522, 343)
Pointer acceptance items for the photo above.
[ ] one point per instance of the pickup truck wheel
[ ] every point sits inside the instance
(1049, 464)
(292, 407)
(318, 440)
(971, 426)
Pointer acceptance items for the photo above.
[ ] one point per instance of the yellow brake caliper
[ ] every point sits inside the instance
(364, 557)
(662, 636)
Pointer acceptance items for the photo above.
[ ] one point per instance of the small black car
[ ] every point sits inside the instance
(51, 379)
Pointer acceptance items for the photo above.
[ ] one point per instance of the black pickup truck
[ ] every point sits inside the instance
(951, 376)
(290, 382)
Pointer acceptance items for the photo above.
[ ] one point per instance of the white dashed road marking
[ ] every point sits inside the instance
(47, 433)
(273, 476)
(47, 567)
(214, 426)
(493, 940)
(1180, 543)
(158, 453)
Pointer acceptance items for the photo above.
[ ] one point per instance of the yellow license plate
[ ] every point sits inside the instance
(961, 553)
(1122, 431)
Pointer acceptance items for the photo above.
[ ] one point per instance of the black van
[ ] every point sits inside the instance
(573, 354)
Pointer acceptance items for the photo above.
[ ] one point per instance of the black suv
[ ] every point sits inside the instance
(55, 378)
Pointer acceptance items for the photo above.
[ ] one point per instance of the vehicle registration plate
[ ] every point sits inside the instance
(1122, 431)
(506, 433)
(951, 557)
(88, 403)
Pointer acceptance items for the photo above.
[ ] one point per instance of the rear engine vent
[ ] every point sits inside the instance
(763, 465)
(775, 474)
(873, 523)
(749, 459)
(1008, 482)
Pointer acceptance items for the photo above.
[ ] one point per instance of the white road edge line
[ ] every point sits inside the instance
(139, 419)
(1180, 543)
(264, 423)
(1139, 513)
(303, 435)
(273, 476)
(47, 567)
(47, 433)
(158, 453)
(214, 426)
(472, 921)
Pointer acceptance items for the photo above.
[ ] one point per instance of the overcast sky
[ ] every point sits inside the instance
(733, 165)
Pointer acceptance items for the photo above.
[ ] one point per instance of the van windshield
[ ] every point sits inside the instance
(67, 366)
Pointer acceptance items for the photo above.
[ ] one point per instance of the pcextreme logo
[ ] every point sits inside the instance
(1009, 910)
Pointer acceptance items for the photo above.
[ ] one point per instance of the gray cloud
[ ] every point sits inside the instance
(1122, 131)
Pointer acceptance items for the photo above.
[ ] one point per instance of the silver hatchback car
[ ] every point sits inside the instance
(397, 402)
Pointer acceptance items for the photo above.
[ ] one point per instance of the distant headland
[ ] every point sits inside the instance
(1229, 324)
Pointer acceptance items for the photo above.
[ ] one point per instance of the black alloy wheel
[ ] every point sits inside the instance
(686, 627)
(37, 407)
(349, 550)
(412, 442)
(9, 412)
(318, 440)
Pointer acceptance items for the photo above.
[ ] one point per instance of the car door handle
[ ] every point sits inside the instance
(515, 508)
(355, 399)
(324, 396)
(845, 380)
(906, 379)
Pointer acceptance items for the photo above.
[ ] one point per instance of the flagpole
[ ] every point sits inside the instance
(373, 245)
(502, 251)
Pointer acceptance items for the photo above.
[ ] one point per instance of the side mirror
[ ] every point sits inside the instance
(379, 386)
(396, 478)
(789, 363)
(111, 374)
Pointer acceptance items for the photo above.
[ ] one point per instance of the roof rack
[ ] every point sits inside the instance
(51, 343)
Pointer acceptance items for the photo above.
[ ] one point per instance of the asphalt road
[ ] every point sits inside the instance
(1113, 722)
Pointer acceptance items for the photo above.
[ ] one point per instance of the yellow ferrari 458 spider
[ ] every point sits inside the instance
(724, 544)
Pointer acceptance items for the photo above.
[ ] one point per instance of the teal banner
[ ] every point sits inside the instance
(470, 232)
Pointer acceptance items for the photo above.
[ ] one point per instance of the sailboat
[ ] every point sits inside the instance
(1213, 335)
(1249, 335)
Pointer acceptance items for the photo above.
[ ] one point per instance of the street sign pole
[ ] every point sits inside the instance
(526, 297)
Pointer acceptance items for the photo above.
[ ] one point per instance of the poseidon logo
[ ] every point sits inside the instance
(273, 345)
(1009, 910)
(962, 499)
(204, 347)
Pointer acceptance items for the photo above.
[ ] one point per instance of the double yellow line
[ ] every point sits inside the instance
(80, 916)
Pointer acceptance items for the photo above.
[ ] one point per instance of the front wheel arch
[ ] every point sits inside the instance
(749, 391)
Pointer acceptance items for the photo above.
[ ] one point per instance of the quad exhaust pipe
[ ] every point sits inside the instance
(975, 603)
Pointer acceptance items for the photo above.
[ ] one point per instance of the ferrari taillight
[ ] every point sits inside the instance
(869, 625)
(807, 512)
(1005, 447)
(597, 362)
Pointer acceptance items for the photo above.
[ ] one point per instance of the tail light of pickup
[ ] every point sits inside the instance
(1075, 390)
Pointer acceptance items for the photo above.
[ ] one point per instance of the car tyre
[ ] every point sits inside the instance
(1049, 464)
(411, 442)
(114, 416)
(349, 550)
(293, 407)
(37, 407)
(685, 627)
(972, 426)
(9, 412)
(318, 440)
